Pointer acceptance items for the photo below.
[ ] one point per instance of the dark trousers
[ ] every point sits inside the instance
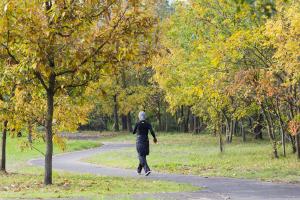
(143, 164)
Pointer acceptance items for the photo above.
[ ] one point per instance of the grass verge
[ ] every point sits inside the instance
(90, 186)
(25, 181)
(199, 155)
(18, 154)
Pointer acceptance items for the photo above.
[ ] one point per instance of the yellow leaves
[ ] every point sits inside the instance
(282, 32)
(60, 141)
(70, 112)
(200, 9)
(197, 91)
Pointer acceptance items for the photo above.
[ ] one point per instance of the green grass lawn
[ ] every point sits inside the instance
(25, 181)
(72, 185)
(199, 155)
(18, 155)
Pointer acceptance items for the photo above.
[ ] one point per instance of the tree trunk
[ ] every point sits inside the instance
(3, 155)
(116, 116)
(293, 143)
(281, 126)
(220, 137)
(236, 127)
(129, 122)
(167, 123)
(292, 138)
(158, 115)
(243, 132)
(297, 137)
(124, 123)
(182, 119)
(282, 132)
(49, 131)
(195, 124)
(227, 130)
(186, 121)
(232, 128)
(258, 127)
(270, 130)
(29, 133)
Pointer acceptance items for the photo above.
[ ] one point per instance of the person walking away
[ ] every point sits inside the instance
(142, 129)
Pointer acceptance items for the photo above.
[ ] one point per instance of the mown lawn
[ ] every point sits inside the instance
(25, 181)
(18, 154)
(72, 185)
(199, 155)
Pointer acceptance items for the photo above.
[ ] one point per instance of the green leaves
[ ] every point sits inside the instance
(232, 58)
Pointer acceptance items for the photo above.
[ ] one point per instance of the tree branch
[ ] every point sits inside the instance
(71, 71)
(40, 78)
(10, 54)
(106, 41)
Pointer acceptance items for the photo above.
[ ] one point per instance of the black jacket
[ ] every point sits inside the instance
(142, 129)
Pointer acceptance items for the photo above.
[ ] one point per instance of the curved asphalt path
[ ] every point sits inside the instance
(214, 188)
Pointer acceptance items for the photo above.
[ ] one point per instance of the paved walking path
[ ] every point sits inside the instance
(214, 188)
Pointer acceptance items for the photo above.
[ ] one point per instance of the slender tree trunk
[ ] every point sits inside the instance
(270, 130)
(167, 123)
(195, 124)
(116, 116)
(182, 119)
(186, 121)
(243, 132)
(236, 127)
(177, 121)
(29, 133)
(281, 126)
(49, 131)
(232, 127)
(227, 129)
(129, 122)
(292, 138)
(3, 155)
(258, 127)
(219, 130)
(297, 138)
(124, 123)
(158, 115)
(282, 133)
(220, 141)
(293, 143)
(105, 120)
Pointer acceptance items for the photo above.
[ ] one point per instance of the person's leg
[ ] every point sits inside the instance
(143, 161)
(146, 166)
(139, 168)
(141, 164)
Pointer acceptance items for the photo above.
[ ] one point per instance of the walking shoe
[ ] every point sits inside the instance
(139, 170)
(148, 173)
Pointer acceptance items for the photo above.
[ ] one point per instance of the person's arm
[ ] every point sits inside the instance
(153, 133)
(135, 128)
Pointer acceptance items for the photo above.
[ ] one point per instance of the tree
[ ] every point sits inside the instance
(64, 46)
(230, 60)
(8, 81)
